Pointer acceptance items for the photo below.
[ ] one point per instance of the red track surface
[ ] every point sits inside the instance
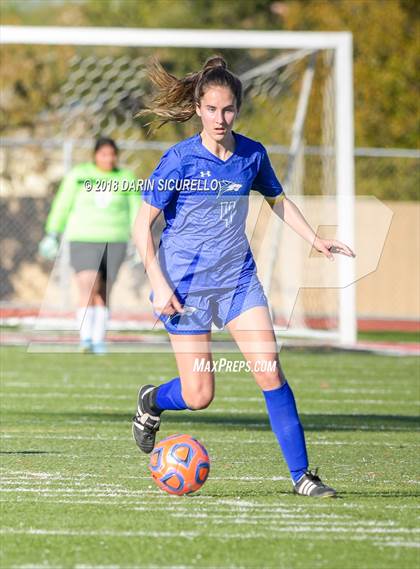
(363, 324)
(134, 340)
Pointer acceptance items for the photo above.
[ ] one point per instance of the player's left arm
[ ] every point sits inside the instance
(291, 214)
(267, 183)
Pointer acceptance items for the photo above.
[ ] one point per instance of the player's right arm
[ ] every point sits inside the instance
(62, 204)
(58, 216)
(155, 201)
(164, 299)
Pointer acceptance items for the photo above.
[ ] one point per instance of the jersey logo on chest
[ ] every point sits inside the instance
(228, 186)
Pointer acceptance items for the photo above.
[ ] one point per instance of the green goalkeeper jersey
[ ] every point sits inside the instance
(93, 205)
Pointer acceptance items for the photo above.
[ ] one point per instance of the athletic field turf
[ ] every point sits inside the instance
(76, 491)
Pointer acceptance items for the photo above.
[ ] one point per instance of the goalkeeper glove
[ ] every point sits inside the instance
(48, 247)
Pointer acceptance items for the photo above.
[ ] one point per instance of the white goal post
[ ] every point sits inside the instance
(340, 44)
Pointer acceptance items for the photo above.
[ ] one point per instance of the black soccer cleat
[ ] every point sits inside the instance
(146, 421)
(311, 485)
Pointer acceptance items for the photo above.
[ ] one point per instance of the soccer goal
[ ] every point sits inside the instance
(298, 103)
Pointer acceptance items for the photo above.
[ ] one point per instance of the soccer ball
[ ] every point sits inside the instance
(179, 464)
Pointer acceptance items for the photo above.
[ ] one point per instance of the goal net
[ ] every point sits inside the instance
(297, 102)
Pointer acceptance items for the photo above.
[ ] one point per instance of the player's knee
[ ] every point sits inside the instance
(269, 379)
(200, 400)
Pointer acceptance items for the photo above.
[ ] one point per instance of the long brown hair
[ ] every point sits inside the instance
(176, 99)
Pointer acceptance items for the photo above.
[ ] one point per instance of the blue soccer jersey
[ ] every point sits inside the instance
(205, 203)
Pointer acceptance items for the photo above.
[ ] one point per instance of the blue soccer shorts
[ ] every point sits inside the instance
(218, 306)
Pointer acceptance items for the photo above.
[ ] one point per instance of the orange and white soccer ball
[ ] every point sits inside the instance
(179, 464)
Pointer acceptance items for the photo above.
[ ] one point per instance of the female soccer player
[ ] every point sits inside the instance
(97, 214)
(205, 271)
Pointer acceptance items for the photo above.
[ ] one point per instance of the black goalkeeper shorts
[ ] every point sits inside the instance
(105, 258)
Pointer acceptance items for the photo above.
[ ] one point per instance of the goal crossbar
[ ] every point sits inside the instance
(339, 42)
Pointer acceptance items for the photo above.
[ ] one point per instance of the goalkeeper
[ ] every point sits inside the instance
(96, 213)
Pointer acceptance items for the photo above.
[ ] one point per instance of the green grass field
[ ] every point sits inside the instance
(76, 491)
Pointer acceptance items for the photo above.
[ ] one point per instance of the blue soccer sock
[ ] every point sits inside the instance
(286, 425)
(169, 396)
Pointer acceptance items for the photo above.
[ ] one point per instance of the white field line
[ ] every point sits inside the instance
(142, 566)
(186, 423)
(255, 519)
(414, 544)
(298, 528)
(59, 395)
(185, 414)
(350, 401)
(206, 502)
(98, 493)
(108, 386)
(66, 385)
(15, 476)
(179, 511)
(11, 436)
(293, 524)
(40, 477)
(26, 492)
(228, 412)
(273, 512)
(53, 483)
(113, 387)
(64, 437)
(401, 507)
(105, 490)
(179, 505)
(240, 516)
(49, 483)
(309, 375)
(121, 457)
(378, 428)
(109, 491)
(207, 512)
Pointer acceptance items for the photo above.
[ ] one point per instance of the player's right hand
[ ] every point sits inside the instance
(48, 247)
(165, 301)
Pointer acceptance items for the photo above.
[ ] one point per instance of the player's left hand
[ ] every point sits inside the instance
(330, 246)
